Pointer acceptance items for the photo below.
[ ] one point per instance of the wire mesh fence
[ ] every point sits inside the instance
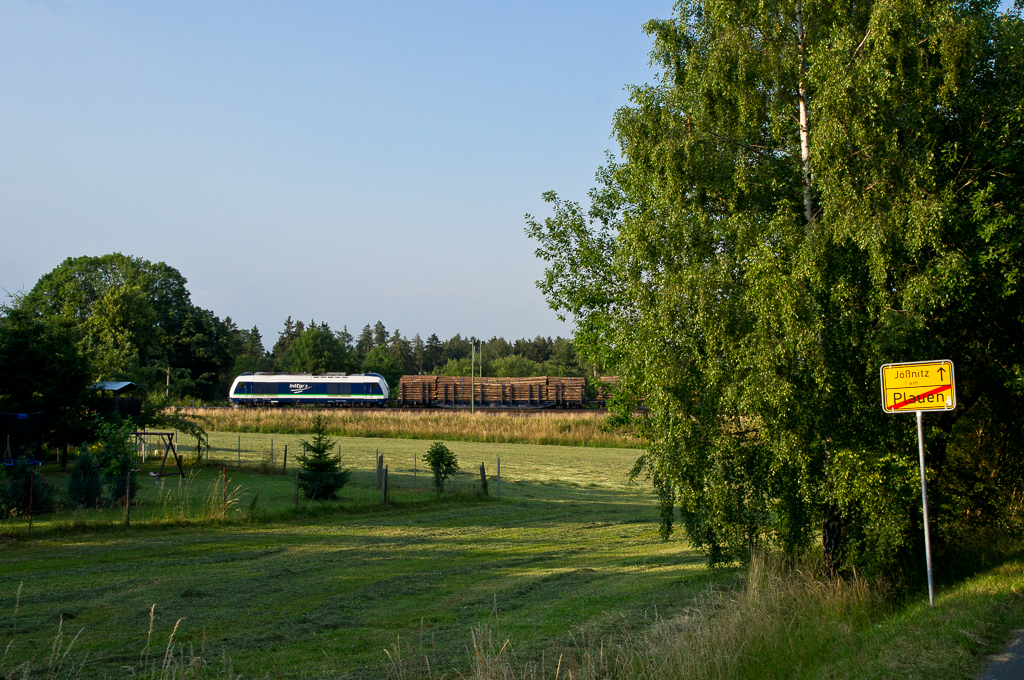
(267, 453)
(211, 487)
(44, 500)
(280, 454)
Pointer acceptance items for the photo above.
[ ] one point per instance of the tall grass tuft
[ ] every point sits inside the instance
(177, 662)
(778, 618)
(583, 428)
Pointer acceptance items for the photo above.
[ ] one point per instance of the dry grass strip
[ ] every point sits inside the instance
(539, 427)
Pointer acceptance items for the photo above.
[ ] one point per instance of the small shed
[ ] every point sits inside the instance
(118, 396)
(115, 388)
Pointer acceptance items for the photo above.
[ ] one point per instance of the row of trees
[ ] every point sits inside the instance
(316, 348)
(809, 191)
(116, 317)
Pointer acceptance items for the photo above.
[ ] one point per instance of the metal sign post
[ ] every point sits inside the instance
(920, 386)
(924, 506)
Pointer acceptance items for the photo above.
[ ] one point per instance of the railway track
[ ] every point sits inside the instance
(418, 409)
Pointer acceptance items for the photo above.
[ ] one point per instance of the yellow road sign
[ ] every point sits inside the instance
(918, 386)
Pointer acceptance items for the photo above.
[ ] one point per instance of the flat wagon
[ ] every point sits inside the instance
(537, 392)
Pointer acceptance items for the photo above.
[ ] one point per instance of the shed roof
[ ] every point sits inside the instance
(114, 386)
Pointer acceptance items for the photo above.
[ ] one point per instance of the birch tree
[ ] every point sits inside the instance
(810, 189)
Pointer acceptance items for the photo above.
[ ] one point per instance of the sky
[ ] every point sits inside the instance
(340, 161)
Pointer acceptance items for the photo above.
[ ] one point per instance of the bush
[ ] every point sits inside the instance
(85, 488)
(514, 366)
(442, 462)
(117, 460)
(26, 490)
(321, 476)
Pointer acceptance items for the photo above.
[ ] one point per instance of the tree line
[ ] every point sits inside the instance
(116, 317)
(316, 348)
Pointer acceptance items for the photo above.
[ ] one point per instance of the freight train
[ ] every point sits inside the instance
(370, 389)
(536, 392)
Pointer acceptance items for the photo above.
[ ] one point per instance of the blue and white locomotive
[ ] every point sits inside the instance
(322, 389)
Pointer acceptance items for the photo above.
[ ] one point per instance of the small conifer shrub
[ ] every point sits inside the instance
(321, 476)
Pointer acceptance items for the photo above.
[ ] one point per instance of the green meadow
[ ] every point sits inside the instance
(326, 590)
(563, 576)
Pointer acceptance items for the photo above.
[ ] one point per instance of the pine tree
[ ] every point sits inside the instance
(418, 353)
(292, 330)
(400, 350)
(433, 354)
(365, 343)
(380, 335)
(321, 476)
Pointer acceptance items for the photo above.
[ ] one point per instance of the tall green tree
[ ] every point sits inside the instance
(810, 190)
(455, 367)
(318, 350)
(539, 349)
(433, 353)
(250, 354)
(345, 338)
(380, 335)
(514, 366)
(456, 347)
(291, 331)
(380, 362)
(43, 369)
(495, 348)
(365, 342)
(419, 354)
(400, 350)
(138, 320)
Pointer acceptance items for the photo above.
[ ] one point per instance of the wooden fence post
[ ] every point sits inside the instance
(31, 493)
(128, 498)
(483, 480)
(384, 487)
(284, 470)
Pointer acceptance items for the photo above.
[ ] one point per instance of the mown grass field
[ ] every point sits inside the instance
(567, 567)
(325, 594)
(582, 466)
(562, 428)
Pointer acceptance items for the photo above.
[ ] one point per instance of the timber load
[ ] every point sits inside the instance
(605, 388)
(537, 392)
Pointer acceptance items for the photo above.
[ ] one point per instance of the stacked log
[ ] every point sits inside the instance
(535, 392)
(605, 389)
(416, 390)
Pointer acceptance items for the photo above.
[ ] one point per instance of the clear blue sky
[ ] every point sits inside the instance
(343, 161)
